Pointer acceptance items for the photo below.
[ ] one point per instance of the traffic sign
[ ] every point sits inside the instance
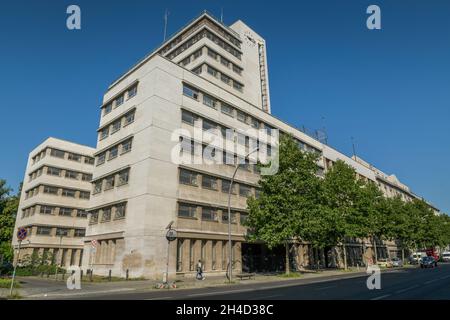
(171, 235)
(22, 234)
(94, 243)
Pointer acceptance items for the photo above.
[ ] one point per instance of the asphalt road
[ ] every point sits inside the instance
(402, 284)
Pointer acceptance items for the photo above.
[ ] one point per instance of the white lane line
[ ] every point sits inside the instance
(381, 297)
(442, 278)
(430, 281)
(160, 298)
(219, 292)
(324, 288)
(407, 289)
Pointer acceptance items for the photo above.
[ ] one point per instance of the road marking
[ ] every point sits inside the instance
(160, 298)
(407, 289)
(431, 281)
(47, 295)
(219, 292)
(323, 288)
(442, 278)
(381, 297)
(266, 297)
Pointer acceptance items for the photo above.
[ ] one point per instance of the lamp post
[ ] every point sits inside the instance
(230, 248)
(60, 251)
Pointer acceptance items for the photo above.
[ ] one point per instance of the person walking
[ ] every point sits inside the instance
(200, 275)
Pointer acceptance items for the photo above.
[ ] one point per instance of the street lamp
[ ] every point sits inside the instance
(229, 213)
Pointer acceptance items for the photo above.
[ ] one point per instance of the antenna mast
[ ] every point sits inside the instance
(353, 145)
(221, 14)
(166, 15)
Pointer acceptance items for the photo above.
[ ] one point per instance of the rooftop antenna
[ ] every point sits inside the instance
(221, 14)
(324, 131)
(166, 15)
(353, 146)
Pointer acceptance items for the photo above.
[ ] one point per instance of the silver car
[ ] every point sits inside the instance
(397, 262)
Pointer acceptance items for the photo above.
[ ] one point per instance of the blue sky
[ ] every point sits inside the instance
(389, 88)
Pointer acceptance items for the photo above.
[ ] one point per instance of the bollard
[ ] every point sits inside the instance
(127, 275)
(90, 275)
(81, 275)
(109, 275)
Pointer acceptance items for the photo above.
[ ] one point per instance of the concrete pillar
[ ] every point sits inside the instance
(219, 255)
(237, 255)
(185, 255)
(197, 252)
(208, 255)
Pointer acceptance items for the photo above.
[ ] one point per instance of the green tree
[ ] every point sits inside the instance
(278, 216)
(8, 210)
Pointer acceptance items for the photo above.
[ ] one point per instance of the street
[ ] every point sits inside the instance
(412, 283)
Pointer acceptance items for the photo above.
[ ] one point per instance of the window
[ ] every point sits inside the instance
(107, 109)
(226, 187)
(50, 190)
(226, 109)
(197, 53)
(57, 153)
(132, 92)
(188, 117)
(104, 133)
(254, 123)
(67, 212)
(101, 158)
(116, 126)
(85, 195)
(129, 118)
(197, 70)
(94, 217)
(211, 71)
(79, 233)
(86, 177)
(89, 160)
(120, 211)
(257, 193)
(81, 213)
(241, 116)
(225, 78)
(209, 214)
(126, 146)
(62, 232)
(109, 182)
(225, 217)
(74, 157)
(46, 210)
(124, 176)
(68, 193)
(106, 214)
(53, 171)
(119, 100)
(71, 174)
(237, 85)
(245, 191)
(113, 152)
(190, 92)
(209, 182)
(187, 210)
(43, 231)
(208, 125)
(212, 54)
(237, 69)
(243, 217)
(224, 61)
(185, 61)
(209, 101)
(188, 177)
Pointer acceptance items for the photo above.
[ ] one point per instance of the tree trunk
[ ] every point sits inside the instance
(288, 268)
(375, 249)
(403, 255)
(345, 256)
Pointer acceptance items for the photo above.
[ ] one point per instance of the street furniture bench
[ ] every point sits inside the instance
(242, 276)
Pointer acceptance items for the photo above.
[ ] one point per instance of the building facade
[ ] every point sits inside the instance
(55, 196)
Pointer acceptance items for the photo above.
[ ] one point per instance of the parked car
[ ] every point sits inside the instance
(445, 256)
(382, 262)
(415, 257)
(428, 262)
(397, 262)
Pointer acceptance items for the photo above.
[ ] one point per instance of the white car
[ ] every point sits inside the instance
(446, 256)
(397, 262)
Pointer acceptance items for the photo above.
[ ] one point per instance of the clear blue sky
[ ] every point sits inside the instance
(390, 89)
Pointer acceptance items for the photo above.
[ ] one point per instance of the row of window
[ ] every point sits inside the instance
(109, 182)
(58, 231)
(53, 210)
(187, 210)
(191, 57)
(52, 190)
(219, 75)
(205, 34)
(116, 125)
(62, 155)
(114, 151)
(210, 182)
(224, 61)
(109, 213)
(58, 172)
(120, 99)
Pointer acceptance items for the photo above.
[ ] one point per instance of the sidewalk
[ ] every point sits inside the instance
(47, 288)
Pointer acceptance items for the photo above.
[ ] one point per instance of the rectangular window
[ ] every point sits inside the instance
(57, 153)
(241, 116)
(67, 212)
(188, 177)
(224, 61)
(226, 109)
(254, 123)
(188, 117)
(197, 70)
(104, 133)
(62, 232)
(243, 217)
(129, 118)
(119, 100)
(81, 213)
(43, 231)
(126, 146)
(113, 152)
(120, 211)
(185, 61)
(71, 174)
(85, 195)
(226, 187)
(109, 182)
(46, 210)
(132, 92)
(86, 177)
(116, 126)
(197, 53)
(89, 160)
(225, 78)
(101, 158)
(94, 217)
(74, 157)
(53, 171)
(209, 182)
(79, 233)
(190, 92)
(245, 191)
(237, 69)
(187, 210)
(209, 214)
(50, 190)
(225, 217)
(107, 109)
(209, 125)
(124, 176)
(211, 71)
(68, 193)
(212, 54)
(106, 214)
(209, 101)
(237, 85)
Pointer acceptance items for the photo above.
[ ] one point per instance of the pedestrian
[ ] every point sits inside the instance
(200, 275)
